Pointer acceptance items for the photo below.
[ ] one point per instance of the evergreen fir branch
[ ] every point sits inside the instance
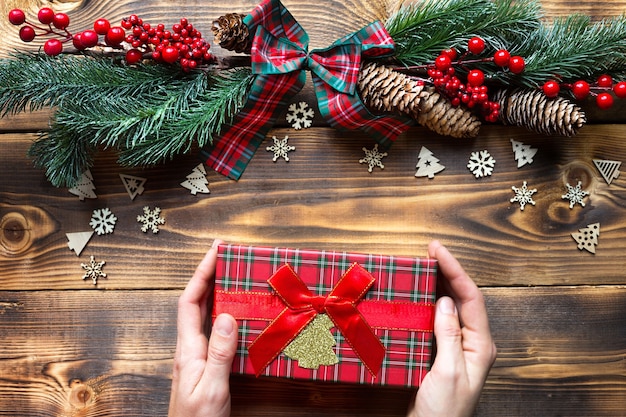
(421, 31)
(573, 48)
(31, 81)
(147, 128)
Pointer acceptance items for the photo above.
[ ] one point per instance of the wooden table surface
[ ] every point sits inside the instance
(558, 314)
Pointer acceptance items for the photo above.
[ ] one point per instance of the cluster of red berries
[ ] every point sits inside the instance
(183, 44)
(473, 93)
(55, 24)
(582, 89)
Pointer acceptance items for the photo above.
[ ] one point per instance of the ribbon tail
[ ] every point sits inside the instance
(232, 150)
(359, 335)
(276, 336)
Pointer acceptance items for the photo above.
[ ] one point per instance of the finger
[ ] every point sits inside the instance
(192, 309)
(221, 351)
(449, 363)
(466, 294)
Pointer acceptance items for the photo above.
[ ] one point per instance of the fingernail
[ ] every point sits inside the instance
(215, 243)
(447, 306)
(223, 325)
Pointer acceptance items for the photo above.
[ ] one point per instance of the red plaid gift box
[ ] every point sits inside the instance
(381, 308)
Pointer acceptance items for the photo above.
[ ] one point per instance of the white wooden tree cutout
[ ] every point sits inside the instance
(84, 188)
(134, 185)
(427, 164)
(523, 153)
(587, 237)
(78, 240)
(608, 169)
(196, 181)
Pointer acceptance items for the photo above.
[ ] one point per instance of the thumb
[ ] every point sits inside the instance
(222, 348)
(449, 362)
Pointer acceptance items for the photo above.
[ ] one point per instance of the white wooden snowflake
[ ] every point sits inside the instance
(93, 270)
(300, 115)
(103, 221)
(151, 219)
(523, 195)
(373, 158)
(481, 164)
(280, 148)
(575, 195)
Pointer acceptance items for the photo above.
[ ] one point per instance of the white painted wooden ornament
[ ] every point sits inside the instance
(373, 158)
(78, 240)
(134, 185)
(103, 221)
(523, 153)
(93, 270)
(300, 115)
(84, 188)
(280, 148)
(481, 164)
(609, 169)
(427, 164)
(196, 181)
(575, 195)
(587, 237)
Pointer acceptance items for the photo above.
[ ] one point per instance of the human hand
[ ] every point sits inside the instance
(465, 349)
(202, 366)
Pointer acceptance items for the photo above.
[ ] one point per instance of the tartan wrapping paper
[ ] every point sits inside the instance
(242, 270)
(280, 57)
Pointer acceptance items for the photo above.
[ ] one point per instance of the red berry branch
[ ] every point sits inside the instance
(183, 44)
(582, 89)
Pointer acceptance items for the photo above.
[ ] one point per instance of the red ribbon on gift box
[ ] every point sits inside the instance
(294, 306)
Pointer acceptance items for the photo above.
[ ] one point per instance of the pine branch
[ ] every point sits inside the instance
(146, 128)
(421, 31)
(574, 48)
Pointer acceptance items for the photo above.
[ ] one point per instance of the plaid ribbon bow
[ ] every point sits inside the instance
(280, 58)
(302, 306)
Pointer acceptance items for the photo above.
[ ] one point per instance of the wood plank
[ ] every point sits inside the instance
(312, 200)
(560, 352)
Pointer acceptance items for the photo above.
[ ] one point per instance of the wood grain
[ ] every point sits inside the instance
(558, 315)
(106, 364)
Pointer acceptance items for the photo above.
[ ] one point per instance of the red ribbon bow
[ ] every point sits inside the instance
(302, 306)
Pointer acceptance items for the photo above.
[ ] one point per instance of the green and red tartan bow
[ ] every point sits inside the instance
(280, 58)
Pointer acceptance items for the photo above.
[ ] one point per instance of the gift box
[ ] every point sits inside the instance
(328, 316)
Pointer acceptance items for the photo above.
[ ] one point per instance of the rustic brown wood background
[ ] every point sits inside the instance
(68, 348)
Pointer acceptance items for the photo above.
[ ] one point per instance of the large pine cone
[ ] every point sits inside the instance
(386, 90)
(536, 112)
(231, 33)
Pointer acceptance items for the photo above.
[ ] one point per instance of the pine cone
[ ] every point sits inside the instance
(231, 33)
(536, 112)
(385, 90)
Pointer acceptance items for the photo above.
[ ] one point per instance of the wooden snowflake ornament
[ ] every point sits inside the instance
(481, 164)
(373, 158)
(93, 270)
(575, 195)
(150, 219)
(300, 115)
(280, 148)
(523, 195)
(103, 221)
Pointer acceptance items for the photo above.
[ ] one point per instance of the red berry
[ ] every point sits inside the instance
(89, 38)
(443, 62)
(517, 64)
(476, 45)
(126, 24)
(551, 88)
(61, 21)
(604, 100)
(115, 36)
(45, 15)
(133, 56)
(53, 47)
(620, 89)
(169, 54)
(101, 26)
(76, 41)
(605, 80)
(450, 52)
(475, 78)
(27, 33)
(501, 58)
(17, 17)
(580, 89)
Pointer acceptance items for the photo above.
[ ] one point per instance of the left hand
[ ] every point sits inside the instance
(200, 380)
